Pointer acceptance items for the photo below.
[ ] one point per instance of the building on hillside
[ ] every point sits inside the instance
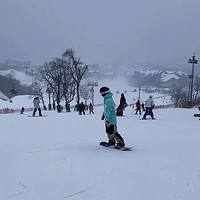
(170, 83)
(170, 80)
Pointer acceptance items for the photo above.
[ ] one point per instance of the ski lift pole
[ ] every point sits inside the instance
(92, 83)
(139, 92)
(193, 62)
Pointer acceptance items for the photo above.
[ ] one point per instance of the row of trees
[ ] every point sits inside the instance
(63, 76)
(180, 96)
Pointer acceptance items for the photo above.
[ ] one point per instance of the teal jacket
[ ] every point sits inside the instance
(109, 109)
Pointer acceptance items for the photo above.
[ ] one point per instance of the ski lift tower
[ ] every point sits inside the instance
(92, 84)
(139, 92)
(191, 77)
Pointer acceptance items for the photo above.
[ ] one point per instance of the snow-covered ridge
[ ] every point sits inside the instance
(165, 75)
(3, 96)
(12, 61)
(21, 76)
(146, 72)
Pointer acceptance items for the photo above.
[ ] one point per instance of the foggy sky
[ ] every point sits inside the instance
(101, 31)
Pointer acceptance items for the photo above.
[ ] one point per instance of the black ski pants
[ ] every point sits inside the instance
(148, 112)
(113, 135)
(39, 109)
(138, 109)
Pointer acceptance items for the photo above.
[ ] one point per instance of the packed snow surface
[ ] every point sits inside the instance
(59, 157)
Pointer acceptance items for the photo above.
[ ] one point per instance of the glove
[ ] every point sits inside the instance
(102, 117)
(107, 124)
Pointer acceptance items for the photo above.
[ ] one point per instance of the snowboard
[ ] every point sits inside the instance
(124, 106)
(105, 144)
(147, 119)
(196, 115)
(37, 116)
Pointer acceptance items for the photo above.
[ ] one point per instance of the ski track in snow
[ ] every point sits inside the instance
(25, 190)
(90, 187)
(14, 195)
(53, 149)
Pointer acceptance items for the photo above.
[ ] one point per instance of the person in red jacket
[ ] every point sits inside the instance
(138, 107)
(91, 109)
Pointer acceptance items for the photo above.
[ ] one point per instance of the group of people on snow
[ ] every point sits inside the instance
(81, 108)
(110, 113)
(147, 107)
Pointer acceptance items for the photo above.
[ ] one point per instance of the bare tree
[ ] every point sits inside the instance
(85, 93)
(179, 97)
(52, 74)
(196, 90)
(76, 69)
(69, 89)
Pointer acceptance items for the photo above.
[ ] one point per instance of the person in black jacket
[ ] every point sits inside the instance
(81, 108)
(22, 110)
(122, 105)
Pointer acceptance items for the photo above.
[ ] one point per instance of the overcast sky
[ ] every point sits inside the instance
(101, 31)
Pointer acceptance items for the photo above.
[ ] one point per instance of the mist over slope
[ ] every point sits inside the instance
(117, 86)
(119, 81)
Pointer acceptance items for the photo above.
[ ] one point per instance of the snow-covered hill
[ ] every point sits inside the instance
(21, 76)
(14, 64)
(58, 157)
(3, 97)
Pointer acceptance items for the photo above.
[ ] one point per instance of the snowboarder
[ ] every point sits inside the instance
(91, 110)
(22, 110)
(122, 105)
(138, 107)
(149, 104)
(110, 119)
(36, 103)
